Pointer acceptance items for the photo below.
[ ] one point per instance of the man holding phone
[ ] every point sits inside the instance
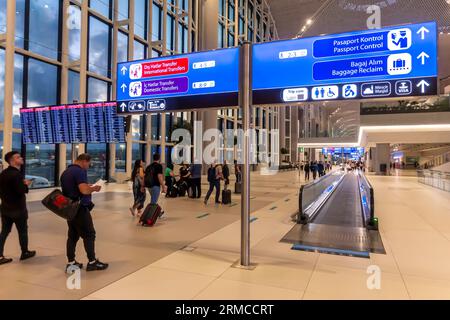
(13, 188)
(74, 184)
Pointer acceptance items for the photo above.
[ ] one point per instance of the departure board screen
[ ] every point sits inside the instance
(77, 123)
(60, 122)
(114, 124)
(44, 128)
(28, 121)
(95, 123)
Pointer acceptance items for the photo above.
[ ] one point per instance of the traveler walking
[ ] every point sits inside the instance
(196, 180)
(214, 176)
(137, 177)
(13, 188)
(169, 177)
(226, 175)
(154, 180)
(306, 167)
(74, 184)
(314, 169)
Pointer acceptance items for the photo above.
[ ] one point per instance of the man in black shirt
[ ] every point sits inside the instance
(13, 188)
(74, 184)
(157, 180)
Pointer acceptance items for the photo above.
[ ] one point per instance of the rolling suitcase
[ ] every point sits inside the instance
(226, 196)
(237, 187)
(150, 215)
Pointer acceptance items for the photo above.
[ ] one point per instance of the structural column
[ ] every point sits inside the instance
(9, 75)
(382, 158)
(62, 148)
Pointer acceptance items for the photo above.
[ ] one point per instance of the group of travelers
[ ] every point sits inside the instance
(317, 168)
(187, 181)
(75, 186)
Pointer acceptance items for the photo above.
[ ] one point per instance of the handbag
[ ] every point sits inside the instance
(61, 205)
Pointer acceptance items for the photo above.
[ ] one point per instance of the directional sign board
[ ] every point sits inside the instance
(196, 80)
(391, 62)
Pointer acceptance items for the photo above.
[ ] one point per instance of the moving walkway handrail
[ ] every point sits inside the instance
(322, 184)
(367, 205)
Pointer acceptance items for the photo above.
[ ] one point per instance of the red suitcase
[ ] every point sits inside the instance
(150, 215)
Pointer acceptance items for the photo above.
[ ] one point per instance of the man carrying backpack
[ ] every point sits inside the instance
(214, 176)
(154, 179)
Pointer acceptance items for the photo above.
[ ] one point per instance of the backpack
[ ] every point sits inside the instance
(148, 177)
(212, 174)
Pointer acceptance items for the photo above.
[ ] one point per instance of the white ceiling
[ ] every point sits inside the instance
(291, 15)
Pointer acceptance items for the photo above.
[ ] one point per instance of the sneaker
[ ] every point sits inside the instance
(4, 260)
(27, 255)
(96, 266)
(71, 266)
(161, 214)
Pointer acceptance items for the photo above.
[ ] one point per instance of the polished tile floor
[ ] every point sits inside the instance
(191, 253)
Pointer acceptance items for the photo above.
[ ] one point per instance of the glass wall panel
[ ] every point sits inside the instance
(20, 23)
(122, 47)
(97, 90)
(139, 51)
(2, 85)
(121, 156)
(101, 6)
(44, 27)
(2, 16)
(99, 40)
(40, 165)
(140, 20)
(38, 94)
(75, 34)
(18, 89)
(73, 87)
(98, 163)
(156, 22)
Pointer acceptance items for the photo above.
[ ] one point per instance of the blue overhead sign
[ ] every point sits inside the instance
(196, 80)
(391, 62)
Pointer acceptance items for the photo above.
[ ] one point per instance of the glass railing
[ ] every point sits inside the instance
(436, 179)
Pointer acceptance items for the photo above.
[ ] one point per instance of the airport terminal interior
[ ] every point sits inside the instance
(325, 124)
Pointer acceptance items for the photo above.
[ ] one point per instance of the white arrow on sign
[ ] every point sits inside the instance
(422, 32)
(123, 106)
(423, 84)
(123, 87)
(124, 70)
(423, 56)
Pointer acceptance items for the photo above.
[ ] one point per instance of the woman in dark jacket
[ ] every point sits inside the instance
(137, 177)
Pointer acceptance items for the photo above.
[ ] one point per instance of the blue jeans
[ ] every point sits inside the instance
(212, 185)
(155, 191)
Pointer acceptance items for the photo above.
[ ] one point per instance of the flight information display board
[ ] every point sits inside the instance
(191, 81)
(28, 122)
(95, 122)
(77, 123)
(391, 62)
(114, 124)
(60, 122)
(44, 127)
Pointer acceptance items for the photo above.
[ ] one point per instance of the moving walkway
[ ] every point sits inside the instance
(337, 216)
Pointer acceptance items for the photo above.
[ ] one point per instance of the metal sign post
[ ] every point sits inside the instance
(245, 97)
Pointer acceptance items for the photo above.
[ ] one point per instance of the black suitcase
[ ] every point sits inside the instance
(226, 196)
(237, 187)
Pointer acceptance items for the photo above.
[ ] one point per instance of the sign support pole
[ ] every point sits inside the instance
(245, 96)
